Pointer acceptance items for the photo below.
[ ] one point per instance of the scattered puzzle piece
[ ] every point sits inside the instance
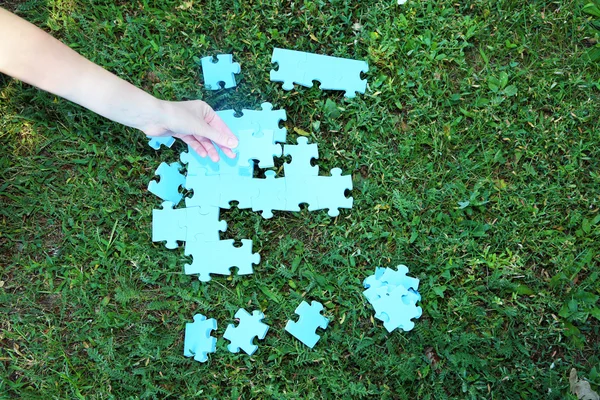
(197, 341)
(218, 257)
(390, 279)
(330, 192)
(310, 319)
(156, 142)
(167, 188)
(242, 336)
(223, 70)
(333, 73)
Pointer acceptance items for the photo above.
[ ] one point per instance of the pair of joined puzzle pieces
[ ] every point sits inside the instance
(198, 342)
(394, 296)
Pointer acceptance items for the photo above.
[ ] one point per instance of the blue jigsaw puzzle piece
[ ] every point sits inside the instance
(269, 196)
(266, 119)
(333, 73)
(223, 70)
(390, 279)
(156, 142)
(169, 225)
(218, 257)
(197, 341)
(396, 308)
(249, 327)
(167, 188)
(257, 146)
(197, 165)
(310, 319)
(302, 154)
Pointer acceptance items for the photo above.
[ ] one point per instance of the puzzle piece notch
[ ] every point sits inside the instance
(218, 257)
(169, 225)
(302, 154)
(198, 342)
(242, 336)
(167, 188)
(333, 73)
(223, 70)
(156, 142)
(310, 319)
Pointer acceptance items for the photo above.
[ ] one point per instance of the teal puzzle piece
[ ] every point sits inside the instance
(310, 319)
(242, 336)
(223, 70)
(197, 341)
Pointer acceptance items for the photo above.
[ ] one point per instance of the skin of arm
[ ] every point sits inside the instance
(31, 55)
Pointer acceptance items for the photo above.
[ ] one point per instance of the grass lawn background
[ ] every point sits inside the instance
(475, 161)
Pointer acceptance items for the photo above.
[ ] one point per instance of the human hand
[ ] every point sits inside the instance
(197, 124)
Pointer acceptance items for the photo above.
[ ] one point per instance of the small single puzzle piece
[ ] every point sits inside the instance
(242, 336)
(202, 223)
(333, 73)
(302, 154)
(197, 341)
(167, 188)
(310, 319)
(396, 309)
(219, 257)
(223, 70)
(168, 225)
(258, 147)
(331, 191)
(207, 189)
(270, 192)
(156, 142)
(238, 188)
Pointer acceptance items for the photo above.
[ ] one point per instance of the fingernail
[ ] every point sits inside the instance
(232, 143)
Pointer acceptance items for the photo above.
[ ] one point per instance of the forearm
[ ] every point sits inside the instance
(31, 55)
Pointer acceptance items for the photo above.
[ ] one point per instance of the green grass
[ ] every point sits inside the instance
(475, 160)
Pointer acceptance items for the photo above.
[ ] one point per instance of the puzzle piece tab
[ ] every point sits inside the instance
(333, 73)
(156, 142)
(223, 70)
(197, 341)
(218, 257)
(242, 336)
(310, 319)
(167, 188)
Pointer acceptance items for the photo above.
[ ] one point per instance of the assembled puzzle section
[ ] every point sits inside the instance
(223, 70)
(249, 327)
(198, 342)
(394, 296)
(218, 257)
(333, 73)
(310, 319)
(265, 119)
